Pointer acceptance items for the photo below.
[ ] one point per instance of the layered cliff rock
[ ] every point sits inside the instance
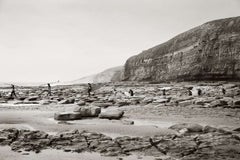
(208, 52)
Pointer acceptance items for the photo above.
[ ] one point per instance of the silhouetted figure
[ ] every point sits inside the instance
(223, 91)
(49, 90)
(199, 92)
(131, 92)
(114, 92)
(189, 92)
(89, 90)
(13, 93)
(164, 92)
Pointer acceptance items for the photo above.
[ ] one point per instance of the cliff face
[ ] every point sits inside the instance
(208, 52)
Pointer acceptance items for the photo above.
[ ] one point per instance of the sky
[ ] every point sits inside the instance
(51, 40)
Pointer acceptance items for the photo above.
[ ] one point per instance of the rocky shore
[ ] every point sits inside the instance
(205, 126)
(192, 141)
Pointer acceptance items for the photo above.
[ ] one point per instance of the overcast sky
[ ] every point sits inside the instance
(50, 40)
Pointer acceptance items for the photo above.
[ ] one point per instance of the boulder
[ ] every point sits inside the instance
(127, 122)
(67, 101)
(88, 111)
(147, 100)
(3, 101)
(102, 104)
(65, 116)
(218, 103)
(111, 114)
(215, 103)
(32, 98)
(26, 102)
(185, 103)
(122, 103)
(237, 129)
(202, 101)
(208, 129)
(44, 102)
(3, 139)
(81, 103)
(22, 98)
(229, 85)
(161, 100)
(191, 127)
(225, 131)
(236, 103)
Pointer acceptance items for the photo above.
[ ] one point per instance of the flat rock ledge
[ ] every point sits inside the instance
(206, 144)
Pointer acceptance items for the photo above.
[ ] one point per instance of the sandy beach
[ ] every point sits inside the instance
(148, 118)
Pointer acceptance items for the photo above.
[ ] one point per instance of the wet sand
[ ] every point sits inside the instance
(50, 154)
(43, 120)
(146, 122)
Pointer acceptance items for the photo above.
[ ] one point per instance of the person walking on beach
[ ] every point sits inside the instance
(13, 93)
(164, 92)
(89, 90)
(189, 92)
(199, 92)
(114, 91)
(49, 90)
(223, 91)
(131, 92)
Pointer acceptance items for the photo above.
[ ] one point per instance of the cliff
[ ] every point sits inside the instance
(208, 52)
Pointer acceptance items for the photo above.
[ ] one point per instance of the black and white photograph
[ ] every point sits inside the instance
(119, 79)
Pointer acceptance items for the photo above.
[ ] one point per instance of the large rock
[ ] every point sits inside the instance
(210, 51)
(81, 103)
(185, 103)
(44, 102)
(32, 98)
(218, 103)
(102, 104)
(65, 116)
(67, 101)
(122, 103)
(236, 103)
(111, 114)
(190, 127)
(162, 100)
(207, 129)
(202, 101)
(88, 111)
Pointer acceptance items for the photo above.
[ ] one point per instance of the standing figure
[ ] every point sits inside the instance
(164, 92)
(114, 92)
(199, 92)
(89, 90)
(131, 92)
(13, 93)
(223, 91)
(189, 92)
(49, 90)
